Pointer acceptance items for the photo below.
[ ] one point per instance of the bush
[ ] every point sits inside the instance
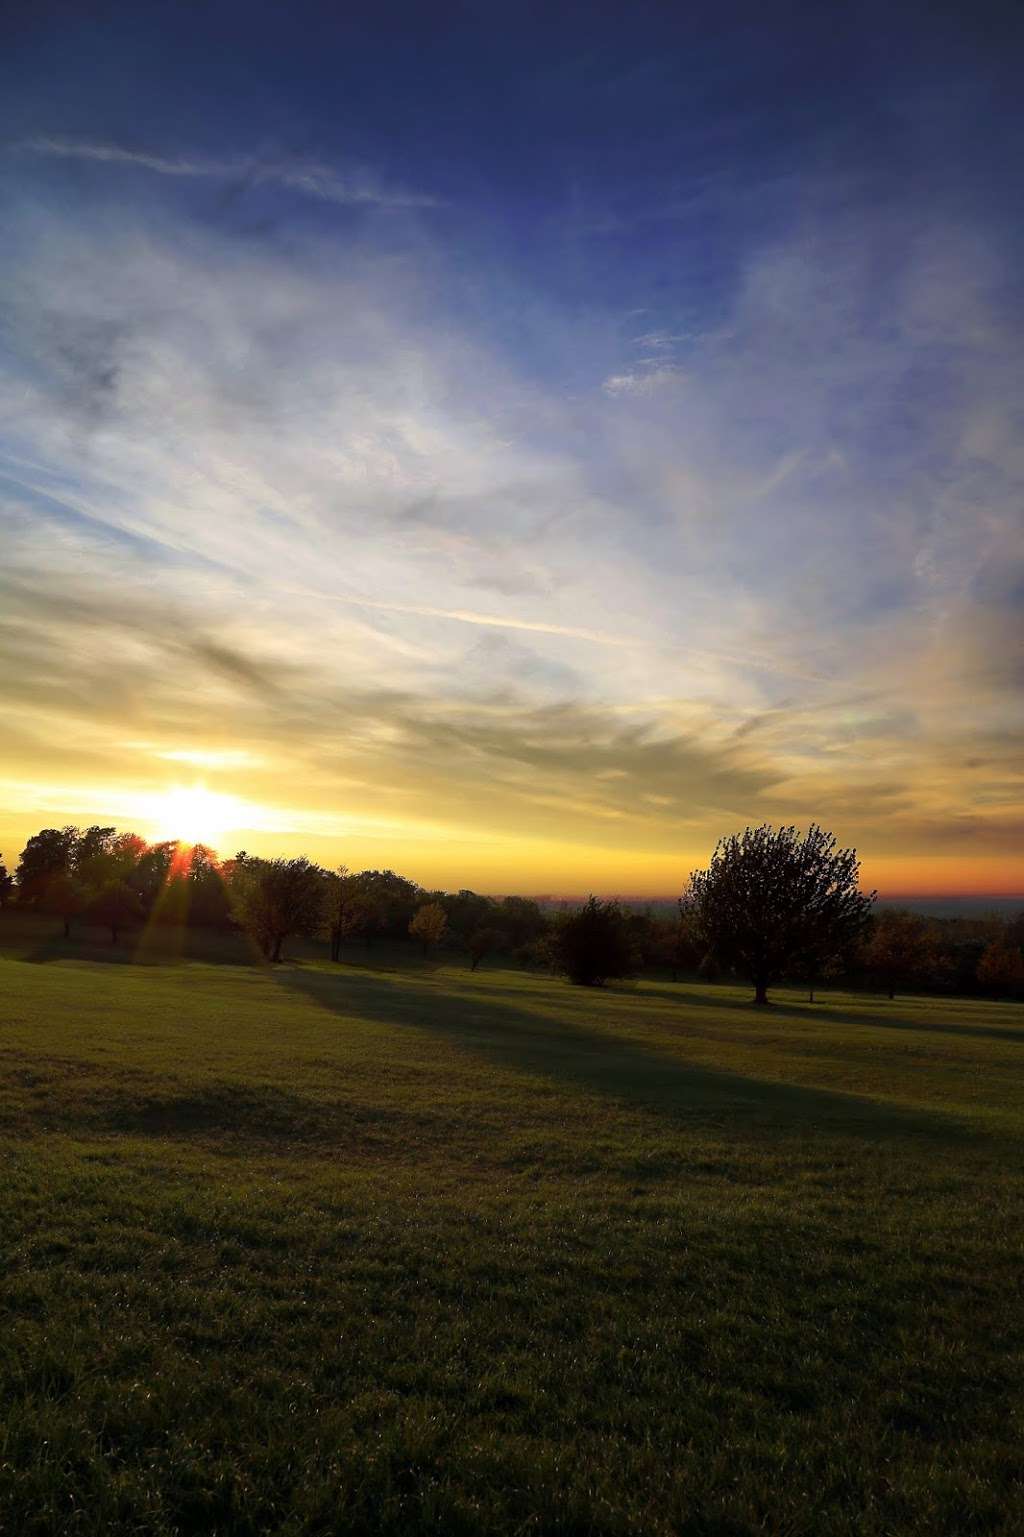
(594, 945)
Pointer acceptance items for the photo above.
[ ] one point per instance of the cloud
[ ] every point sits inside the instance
(311, 179)
(642, 380)
(264, 500)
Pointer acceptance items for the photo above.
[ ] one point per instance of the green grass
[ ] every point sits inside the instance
(320, 1250)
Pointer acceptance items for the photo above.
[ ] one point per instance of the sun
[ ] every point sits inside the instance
(193, 814)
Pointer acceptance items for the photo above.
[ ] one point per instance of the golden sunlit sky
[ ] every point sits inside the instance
(518, 476)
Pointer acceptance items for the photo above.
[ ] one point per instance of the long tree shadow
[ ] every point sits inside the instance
(620, 1068)
(871, 1016)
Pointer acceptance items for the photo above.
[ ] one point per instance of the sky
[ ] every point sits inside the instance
(516, 444)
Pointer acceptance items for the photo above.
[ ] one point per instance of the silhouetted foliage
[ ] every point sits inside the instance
(117, 907)
(899, 949)
(66, 898)
(6, 885)
(594, 945)
(273, 898)
(521, 920)
(388, 903)
(772, 901)
(48, 853)
(1001, 969)
(482, 942)
(344, 909)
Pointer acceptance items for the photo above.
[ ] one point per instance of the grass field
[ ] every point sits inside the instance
(317, 1250)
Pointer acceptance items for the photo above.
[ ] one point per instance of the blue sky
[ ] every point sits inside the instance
(518, 443)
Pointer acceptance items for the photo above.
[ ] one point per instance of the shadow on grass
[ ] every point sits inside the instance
(570, 1054)
(872, 1015)
(169, 947)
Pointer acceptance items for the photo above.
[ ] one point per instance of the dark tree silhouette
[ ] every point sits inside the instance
(344, 909)
(1001, 969)
(6, 885)
(481, 942)
(594, 945)
(771, 898)
(117, 907)
(48, 853)
(899, 949)
(522, 920)
(273, 898)
(389, 902)
(66, 898)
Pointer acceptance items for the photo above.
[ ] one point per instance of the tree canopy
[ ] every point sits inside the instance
(773, 901)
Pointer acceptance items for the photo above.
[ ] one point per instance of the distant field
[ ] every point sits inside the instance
(319, 1250)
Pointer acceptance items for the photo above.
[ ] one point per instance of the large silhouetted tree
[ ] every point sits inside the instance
(273, 898)
(48, 853)
(594, 945)
(772, 900)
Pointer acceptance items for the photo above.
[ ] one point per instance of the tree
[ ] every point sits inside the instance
(116, 906)
(389, 902)
(48, 853)
(6, 885)
(273, 898)
(428, 924)
(480, 943)
(772, 897)
(66, 898)
(466, 912)
(1001, 969)
(898, 949)
(344, 909)
(92, 858)
(594, 945)
(522, 920)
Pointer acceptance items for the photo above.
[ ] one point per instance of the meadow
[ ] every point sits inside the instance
(390, 1247)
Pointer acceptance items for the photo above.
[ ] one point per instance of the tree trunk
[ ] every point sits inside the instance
(67, 928)
(892, 992)
(278, 942)
(476, 962)
(760, 990)
(810, 993)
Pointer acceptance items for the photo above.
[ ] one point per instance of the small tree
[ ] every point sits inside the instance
(6, 885)
(482, 942)
(116, 906)
(899, 948)
(1001, 969)
(273, 898)
(594, 945)
(344, 909)
(64, 898)
(771, 897)
(428, 924)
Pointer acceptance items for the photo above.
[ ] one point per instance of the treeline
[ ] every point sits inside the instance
(772, 906)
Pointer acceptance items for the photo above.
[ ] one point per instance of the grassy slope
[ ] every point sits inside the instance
(315, 1250)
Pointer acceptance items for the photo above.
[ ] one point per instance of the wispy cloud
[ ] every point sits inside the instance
(643, 379)
(310, 178)
(263, 502)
